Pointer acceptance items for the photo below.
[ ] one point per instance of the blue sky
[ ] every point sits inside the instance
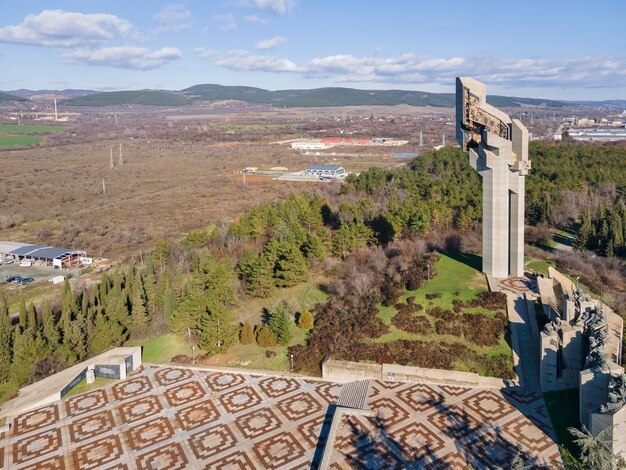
(551, 49)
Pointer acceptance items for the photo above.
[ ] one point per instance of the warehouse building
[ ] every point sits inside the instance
(43, 255)
(326, 171)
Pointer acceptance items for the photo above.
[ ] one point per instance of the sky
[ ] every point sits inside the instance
(546, 49)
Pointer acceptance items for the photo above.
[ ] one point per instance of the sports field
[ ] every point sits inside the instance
(15, 136)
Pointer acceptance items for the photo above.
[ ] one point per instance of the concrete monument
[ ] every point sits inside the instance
(498, 150)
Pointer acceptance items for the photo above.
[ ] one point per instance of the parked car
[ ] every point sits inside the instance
(12, 278)
(25, 280)
(26, 264)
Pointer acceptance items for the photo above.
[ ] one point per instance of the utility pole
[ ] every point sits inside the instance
(121, 161)
(443, 140)
(244, 180)
(421, 143)
(56, 116)
(111, 158)
(116, 120)
(104, 188)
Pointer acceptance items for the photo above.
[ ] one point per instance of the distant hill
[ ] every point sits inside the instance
(142, 97)
(69, 92)
(8, 97)
(335, 96)
(616, 103)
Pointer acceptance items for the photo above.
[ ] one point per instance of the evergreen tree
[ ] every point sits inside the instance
(260, 283)
(26, 350)
(50, 330)
(314, 249)
(139, 316)
(584, 233)
(280, 324)
(305, 320)
(247, 335)
(6, 339)
(216, 329)
(245, 264)
(265, 337)
(191, 305)
(107, 334)
(169, 302)
(32, 318)
(23, 316)
(69, 309)
(290, 268)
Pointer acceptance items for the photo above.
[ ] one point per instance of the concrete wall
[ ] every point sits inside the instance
(617, 435)
(344, 371)
(594, 390)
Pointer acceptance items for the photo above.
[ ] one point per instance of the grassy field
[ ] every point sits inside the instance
(83, 386)
(305, 295)
(163, 348)
(7, 391)
(12, 141)
(538, 266)
(457, 278)
(15, 136)
(28, 129)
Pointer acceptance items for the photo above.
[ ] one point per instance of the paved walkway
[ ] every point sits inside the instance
(178, 418)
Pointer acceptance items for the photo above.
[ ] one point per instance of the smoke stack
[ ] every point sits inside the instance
(56, 116)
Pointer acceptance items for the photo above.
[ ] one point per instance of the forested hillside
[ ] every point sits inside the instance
(370, 238)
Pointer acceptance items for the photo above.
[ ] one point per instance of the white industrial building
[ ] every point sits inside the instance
(46, 255)
(324, 171)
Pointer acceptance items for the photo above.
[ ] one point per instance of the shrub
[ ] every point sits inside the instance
(446, 327)
(305, 320)
(434, 295)
(265, 337)
(492, 300)
(270, 354)
(407, 322)
(247, 334)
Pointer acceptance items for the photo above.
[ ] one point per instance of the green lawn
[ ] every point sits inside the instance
(27, 129)
(538, 266)
(83, 386)
(163, 348)
(7, 391)
(10, 141)
(458, 277)
(306, 295)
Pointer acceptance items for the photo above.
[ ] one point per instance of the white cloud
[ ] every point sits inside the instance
(241, 60)
(255, 19)
(125, 57)
(173, 17)
(413, 69)
(279, 7)
(227, 21)
(271, 43)
(65, 29)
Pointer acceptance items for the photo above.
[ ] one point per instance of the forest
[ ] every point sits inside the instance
(367, 239)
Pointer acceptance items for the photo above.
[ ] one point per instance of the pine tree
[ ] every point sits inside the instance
(32, 318)
(169, 302)
(260, 283)
(265, 337)
(247, 335)
(290, 268)
(280, 324)
(23, 316)
(69, 309)
(50, 330)
(216, 329)
(6, 337)
(107, 334)
(190, 306)
(584, 233)
(26, 350)
(139, 317)
(305, 320)
(314, 249)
